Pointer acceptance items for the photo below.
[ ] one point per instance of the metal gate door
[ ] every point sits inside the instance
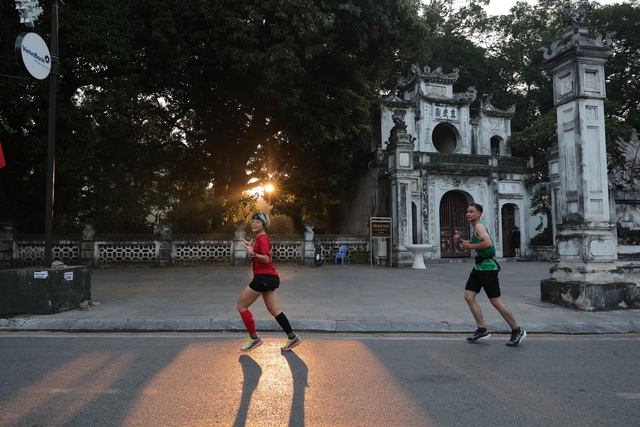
(453, 208)
(508, 225)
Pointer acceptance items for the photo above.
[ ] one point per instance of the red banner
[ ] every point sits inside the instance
(2, 162)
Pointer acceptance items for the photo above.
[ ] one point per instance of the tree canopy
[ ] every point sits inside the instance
(535, 131)
(178, 108)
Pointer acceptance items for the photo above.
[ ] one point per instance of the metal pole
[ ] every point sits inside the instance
(51, 140)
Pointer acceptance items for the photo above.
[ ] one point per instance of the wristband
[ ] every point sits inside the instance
(252, 256)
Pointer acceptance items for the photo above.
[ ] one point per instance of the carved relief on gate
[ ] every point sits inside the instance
(624, 184)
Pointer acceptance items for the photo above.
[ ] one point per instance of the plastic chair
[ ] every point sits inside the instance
(342, 255)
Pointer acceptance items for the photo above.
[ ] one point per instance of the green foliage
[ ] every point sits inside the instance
(623, 70)
(535, 142)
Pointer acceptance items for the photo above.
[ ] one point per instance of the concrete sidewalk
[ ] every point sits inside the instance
(331, 298)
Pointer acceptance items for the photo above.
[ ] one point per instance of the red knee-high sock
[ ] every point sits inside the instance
(247, 318)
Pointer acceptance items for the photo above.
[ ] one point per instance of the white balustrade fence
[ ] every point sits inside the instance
(153, 251)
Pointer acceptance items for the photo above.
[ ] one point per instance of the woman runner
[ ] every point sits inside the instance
(265, 282)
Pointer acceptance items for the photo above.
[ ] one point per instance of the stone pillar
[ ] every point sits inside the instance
(164, 256)
(554, 185)
(586, 240)
(308, 250)
(6, 246)
(239, 253)
(494, 190)
(400, 168)
(87, 255)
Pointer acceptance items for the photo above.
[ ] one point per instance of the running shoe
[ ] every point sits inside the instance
(517, 337)
(291, 343)
(251, 344)
(479, 334)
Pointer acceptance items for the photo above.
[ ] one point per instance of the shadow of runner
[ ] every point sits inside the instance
(252, 373)
(300, 375)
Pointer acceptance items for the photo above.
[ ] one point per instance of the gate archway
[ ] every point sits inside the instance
(453, 208)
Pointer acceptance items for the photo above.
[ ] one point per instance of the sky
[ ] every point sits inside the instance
(501, 7)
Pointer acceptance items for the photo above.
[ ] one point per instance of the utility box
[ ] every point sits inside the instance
(44, 290)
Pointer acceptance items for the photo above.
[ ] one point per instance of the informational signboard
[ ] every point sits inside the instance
(380, 228)
(381, 231)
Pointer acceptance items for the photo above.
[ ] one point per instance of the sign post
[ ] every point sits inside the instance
(35, 59)
(51, 145)
(380, 229)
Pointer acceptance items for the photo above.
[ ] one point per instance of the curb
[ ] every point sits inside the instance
(211, 325)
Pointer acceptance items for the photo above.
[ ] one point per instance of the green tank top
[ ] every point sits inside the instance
(487, 264)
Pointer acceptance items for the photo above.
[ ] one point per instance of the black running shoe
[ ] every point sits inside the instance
(517, 337)
(479, 334)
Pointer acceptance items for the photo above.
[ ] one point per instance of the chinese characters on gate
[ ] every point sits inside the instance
(446, 113)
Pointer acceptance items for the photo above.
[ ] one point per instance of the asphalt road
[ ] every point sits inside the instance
(202, 379)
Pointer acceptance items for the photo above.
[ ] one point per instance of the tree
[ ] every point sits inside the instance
(189, 103)
(529, 27)
(622, 70)
(178, 108)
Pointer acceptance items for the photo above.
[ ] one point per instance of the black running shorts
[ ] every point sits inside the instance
(265, 282)
(484, 279)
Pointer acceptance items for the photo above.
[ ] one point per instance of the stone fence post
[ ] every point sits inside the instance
(164, 257)
(87, 255)
(6, 246)
(309, 248)
(239, 253)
